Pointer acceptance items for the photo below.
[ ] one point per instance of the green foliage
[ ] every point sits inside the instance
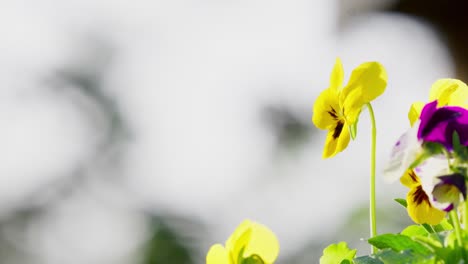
(418, 244)
(398, 242)
(165, 246)
(460, 151)
(338, 253)
(414, 230)
(433, 148)
(401, 201)
(404, 257)
(443, 226)
(367, 260)
(388, 256)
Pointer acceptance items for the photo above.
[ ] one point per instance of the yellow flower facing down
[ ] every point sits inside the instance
(337, 108)
(251, 243)
(419, 206)
(447, 92)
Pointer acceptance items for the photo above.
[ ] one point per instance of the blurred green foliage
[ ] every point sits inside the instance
(166, 245)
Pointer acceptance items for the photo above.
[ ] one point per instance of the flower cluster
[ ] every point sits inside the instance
(431, 157)
(337, 110)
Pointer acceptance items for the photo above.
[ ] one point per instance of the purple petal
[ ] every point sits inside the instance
(457, 180)
(439, 124)
(448, 208)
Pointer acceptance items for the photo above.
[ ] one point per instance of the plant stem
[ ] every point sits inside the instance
(372, 218)
(456, 225)
(465, 216)
(428, 228)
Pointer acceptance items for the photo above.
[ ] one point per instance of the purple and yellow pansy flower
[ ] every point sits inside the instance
(434, 188)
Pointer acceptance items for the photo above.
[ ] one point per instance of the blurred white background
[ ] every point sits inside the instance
(116, 113)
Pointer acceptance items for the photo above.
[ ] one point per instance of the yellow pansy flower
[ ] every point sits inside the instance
(420, 208)
(250, 243)
(337, 108)
(450, 92)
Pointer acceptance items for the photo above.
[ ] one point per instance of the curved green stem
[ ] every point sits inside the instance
(372, 218)
(456, 225)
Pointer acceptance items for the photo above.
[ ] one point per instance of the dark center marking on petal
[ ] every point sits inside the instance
(420, 196)
(439, 116)
(338, 129)
(333, 113)
(413, 176)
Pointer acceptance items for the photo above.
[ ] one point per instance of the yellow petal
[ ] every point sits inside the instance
(337, 75)
(326, 109)
(343, 139)
(337, 140)
(449, 92)
(263, 243)
(415, 112)
(420, 209)
(217, 255)
(410, 179)
(367, 82)
(239, 239)
(352, 106)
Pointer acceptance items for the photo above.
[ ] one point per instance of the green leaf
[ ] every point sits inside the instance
(450, 254)
(432, 241)
(457, 146)
(367, 260)
(460, 150)
(388, 256)
(456, 141)
(398, 243)
(451, 239)
(443, 226)
(433, 148)
(423, 236)
(404, 257)
(414, 230)
(401, 201)
(336, 253)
